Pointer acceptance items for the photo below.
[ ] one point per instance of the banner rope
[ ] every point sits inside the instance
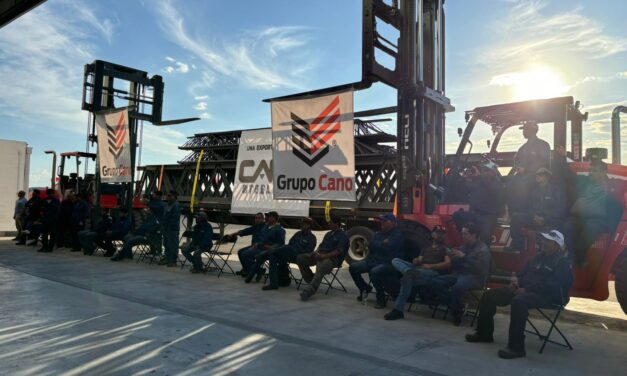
(192, 201)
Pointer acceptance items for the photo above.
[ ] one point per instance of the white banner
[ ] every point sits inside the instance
(114, 151)
(252, 192)
(314, 148)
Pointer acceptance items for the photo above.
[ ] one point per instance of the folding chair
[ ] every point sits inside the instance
(553, 325)
(219, 258)
(334, 278)
(142, 251)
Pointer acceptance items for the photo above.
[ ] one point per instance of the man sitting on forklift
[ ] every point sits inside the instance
(546, 210)
(470, 265)
(385, 246)
(544, 282)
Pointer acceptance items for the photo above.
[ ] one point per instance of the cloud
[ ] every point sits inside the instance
(535, 31)
(201, 97)
(262, 60)
(178, 66)
(604, 79)
(205, 115)
(42, 56)
(200, 106)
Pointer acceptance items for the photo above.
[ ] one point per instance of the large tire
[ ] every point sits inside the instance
(620, 284)
(359, 237)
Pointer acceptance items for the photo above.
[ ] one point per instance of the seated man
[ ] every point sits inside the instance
(247, 254)
(433, 262)
(594, 211)
(329, 255)
(202, 241)
(87, 238)
(546, 209)
(274, 237)
(544, 282)
(302, 241)
(148, 230)
(120, 227)
(385, 245)
(470, 265)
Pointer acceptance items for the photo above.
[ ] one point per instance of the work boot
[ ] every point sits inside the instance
(241, 273)
(260, 274)
(21, 242)
(394, 315)
(306, 294)
(195, 271)
(476, 337)
(269, 287)
(363, 294)
(457, 317)
(380, 304)
(508, 353)
(41, 249)
(162, 262)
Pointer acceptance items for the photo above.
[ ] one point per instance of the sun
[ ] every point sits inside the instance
(539, 83)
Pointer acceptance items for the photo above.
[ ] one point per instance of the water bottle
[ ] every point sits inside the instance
(514, 280)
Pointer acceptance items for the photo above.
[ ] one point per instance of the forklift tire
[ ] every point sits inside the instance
(620, 283)
(358, 238)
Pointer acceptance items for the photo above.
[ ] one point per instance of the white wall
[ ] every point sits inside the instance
(14, 170)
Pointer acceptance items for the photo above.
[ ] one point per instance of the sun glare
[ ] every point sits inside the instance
(535, 83)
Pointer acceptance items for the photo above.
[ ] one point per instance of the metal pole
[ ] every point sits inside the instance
(616, 157)
(54, 167)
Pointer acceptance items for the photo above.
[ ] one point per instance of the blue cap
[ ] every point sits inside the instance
(388, 217)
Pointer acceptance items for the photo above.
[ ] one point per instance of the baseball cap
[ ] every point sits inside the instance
(201, 215)
(555, 236)
(529, 125)
(388, 217)
(544, 170)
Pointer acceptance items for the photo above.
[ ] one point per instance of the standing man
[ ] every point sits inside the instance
(171, 229)
(65, 219)
(19, 213)
(49, 218)
(157, 207)
(273, 238)
(531, 156)
(470, 264)
(202, 241)
(329, 255)
(33, 213)
(302, 241)
(385, 245)
(544, 282)
(257, 232)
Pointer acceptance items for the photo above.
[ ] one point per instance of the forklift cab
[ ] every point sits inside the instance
(72, 180)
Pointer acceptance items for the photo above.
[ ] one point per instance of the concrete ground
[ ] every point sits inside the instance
(68, 314)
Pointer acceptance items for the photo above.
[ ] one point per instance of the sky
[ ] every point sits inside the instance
(220, 59)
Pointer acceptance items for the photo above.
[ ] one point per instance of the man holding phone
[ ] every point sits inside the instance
(544, 282)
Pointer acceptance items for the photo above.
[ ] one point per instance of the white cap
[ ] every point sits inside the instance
(555, 236)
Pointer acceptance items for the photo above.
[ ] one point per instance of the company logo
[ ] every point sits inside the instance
(247, 165)
(116, 136)
(311, 139)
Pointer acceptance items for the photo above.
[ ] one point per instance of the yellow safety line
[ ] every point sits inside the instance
(191, 204)
(161, 177)
(327, 211)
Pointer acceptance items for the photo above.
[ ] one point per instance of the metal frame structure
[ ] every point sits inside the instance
(375, 175)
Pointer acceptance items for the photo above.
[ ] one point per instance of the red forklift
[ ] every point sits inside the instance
(417, 74)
